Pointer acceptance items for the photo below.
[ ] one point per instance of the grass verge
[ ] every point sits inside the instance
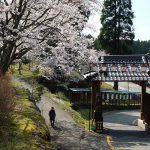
(28, 130)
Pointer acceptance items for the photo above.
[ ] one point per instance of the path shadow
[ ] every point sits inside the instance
(129, 137)
(57, 128)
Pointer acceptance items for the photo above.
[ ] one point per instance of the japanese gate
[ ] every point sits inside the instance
(121, 68)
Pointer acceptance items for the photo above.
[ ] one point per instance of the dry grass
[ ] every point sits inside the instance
(7, 103)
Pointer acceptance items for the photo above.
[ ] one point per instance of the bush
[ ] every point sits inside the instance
(6, 101)
(77, 106)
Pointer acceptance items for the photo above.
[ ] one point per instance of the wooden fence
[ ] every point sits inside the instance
(112, 98)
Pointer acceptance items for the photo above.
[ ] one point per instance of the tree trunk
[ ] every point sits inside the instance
(20, 67)
(29, 65)
(4, 68)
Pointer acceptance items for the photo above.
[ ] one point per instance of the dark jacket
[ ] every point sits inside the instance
(52, 114)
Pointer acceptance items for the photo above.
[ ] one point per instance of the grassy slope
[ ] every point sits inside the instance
(28, 130)
(81, 115)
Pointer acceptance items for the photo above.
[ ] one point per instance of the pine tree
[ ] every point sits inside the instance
(117, 33)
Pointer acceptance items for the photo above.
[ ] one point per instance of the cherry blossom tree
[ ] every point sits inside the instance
(24, 24)
(74, 50)
(49, 27)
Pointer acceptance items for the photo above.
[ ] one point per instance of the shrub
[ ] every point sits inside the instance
(6, 100)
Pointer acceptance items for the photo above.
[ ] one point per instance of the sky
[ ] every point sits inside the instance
(141, 9)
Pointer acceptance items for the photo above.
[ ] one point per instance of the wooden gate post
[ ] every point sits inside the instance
(95, 89)
(143, 94)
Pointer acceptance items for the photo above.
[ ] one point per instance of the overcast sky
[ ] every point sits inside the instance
(141, 9)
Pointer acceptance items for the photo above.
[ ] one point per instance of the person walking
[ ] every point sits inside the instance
(52, 116)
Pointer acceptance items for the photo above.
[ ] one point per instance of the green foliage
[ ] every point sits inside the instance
(84, 113)
(39, 90)
(116, 34)
(97, 44)
(75, 75)
(141, 47)
(26, 73)
(61, 95)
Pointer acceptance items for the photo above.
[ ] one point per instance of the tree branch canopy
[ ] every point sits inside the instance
(33, 25)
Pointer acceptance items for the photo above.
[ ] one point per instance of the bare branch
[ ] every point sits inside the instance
(6, 3)
(19, 54)
(36, 20)
(48, 19)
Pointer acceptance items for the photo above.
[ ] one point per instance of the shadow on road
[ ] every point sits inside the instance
(57, 128)
(130, 140)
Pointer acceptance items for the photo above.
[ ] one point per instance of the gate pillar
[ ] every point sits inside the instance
(95, 91)
(143, 97)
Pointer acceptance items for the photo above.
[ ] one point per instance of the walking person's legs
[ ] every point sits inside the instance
(51, 121)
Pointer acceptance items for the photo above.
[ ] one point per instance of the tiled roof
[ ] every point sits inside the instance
(121, 59)
(120, 68)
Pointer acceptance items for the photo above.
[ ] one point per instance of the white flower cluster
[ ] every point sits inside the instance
(46, 27)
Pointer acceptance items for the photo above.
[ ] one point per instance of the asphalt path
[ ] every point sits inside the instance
(124, 134)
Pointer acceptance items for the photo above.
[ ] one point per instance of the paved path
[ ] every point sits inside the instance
(124, 134)
(67, 134)
(123, 131)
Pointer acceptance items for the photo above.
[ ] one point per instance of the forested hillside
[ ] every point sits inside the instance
(138, 47)
(141, 47)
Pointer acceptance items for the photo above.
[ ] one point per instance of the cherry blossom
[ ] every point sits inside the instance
(51, 28)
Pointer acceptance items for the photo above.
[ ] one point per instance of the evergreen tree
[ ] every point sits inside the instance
(117, 34)
(141, 47)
